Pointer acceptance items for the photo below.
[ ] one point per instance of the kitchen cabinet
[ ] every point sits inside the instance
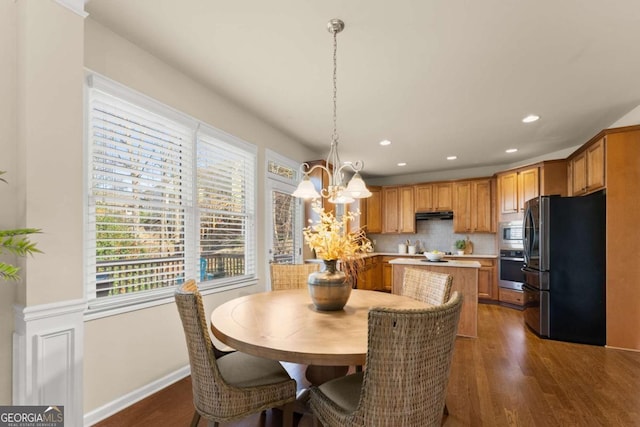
(434, 197)
(370, 275)
(515, 187)
(622, 159)
(387, 273)
(472, 207)
(511, 297)
(373, 221)
(487, 277)
(398, 213)
(586, 169)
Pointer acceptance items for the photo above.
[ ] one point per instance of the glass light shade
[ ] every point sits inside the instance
(306, 190)
(341, 197)
(357, 188)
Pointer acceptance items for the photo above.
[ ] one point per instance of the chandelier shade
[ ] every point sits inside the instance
(335, 192)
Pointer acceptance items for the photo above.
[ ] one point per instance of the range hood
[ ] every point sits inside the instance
(434, 215)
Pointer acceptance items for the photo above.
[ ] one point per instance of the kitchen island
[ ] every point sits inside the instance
(465, 281)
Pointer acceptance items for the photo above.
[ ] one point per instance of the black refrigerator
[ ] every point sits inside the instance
(565, 267)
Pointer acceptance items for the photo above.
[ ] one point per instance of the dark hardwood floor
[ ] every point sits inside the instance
(506, 377)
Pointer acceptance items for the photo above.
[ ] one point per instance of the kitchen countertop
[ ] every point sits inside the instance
(416, 257)
(449, 263)
(422, 255)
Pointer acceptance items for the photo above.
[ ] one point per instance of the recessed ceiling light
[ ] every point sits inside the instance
(452, 157)
(511, 150)
(402, 164)
(530, 118)
(385, 142)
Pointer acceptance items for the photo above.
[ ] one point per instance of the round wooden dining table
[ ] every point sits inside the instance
(285, 326)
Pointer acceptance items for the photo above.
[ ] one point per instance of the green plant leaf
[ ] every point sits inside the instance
(8, 272)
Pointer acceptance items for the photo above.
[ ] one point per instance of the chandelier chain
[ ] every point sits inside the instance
(334, 137)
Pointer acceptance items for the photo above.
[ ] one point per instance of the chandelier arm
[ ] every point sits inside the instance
(306, 169)
(356, 166)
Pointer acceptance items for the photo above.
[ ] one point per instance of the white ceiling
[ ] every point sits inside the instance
(436, 77)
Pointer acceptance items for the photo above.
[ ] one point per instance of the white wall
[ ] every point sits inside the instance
(8, 193)
(127, 352)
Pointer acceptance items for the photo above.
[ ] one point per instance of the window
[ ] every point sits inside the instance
(168, 199)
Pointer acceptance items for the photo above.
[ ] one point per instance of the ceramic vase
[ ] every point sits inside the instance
(329, 288)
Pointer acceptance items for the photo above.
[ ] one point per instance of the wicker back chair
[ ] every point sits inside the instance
(408, 361)
(232, 386)
(427, 286)
(291, 276)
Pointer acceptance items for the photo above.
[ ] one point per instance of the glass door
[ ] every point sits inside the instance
(286, 225)
(283, 219)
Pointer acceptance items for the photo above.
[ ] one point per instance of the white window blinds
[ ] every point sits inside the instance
(147, 163)
(226, 181)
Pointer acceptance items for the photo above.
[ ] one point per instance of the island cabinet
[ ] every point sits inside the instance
(517, 186)
(487, 277)
(434, 197)
(370, 275)
(398, 213)
(472, 206)
(465, 281)
(586, 169)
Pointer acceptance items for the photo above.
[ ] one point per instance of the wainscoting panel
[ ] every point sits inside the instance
(47, 357)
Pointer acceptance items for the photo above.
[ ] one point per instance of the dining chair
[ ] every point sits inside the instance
(427, 286)
(291, 276)
(408, 362)
(234, 385)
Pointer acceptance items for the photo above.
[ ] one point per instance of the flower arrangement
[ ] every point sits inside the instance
(329, 238)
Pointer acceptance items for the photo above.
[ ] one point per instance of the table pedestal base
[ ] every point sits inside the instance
(317, 375)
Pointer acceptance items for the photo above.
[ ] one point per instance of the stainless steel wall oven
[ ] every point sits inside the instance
(511, 255)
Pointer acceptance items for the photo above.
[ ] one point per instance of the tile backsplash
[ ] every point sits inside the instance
(432, 235)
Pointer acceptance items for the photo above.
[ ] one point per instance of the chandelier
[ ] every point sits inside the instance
(336, 192)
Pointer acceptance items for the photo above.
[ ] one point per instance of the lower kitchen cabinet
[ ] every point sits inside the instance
(370, 276)
(511, 296)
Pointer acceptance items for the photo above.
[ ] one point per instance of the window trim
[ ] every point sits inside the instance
(118, 304)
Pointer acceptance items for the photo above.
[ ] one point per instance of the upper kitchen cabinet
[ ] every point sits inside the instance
(517, 186)
(586, 169)
(398, 213)
(373, 217)
(472, 203)
(434, 197)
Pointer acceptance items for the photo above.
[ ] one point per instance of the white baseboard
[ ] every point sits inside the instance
(129, 399)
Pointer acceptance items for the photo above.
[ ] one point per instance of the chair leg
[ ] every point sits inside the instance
(196, 419)
(287, 415)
